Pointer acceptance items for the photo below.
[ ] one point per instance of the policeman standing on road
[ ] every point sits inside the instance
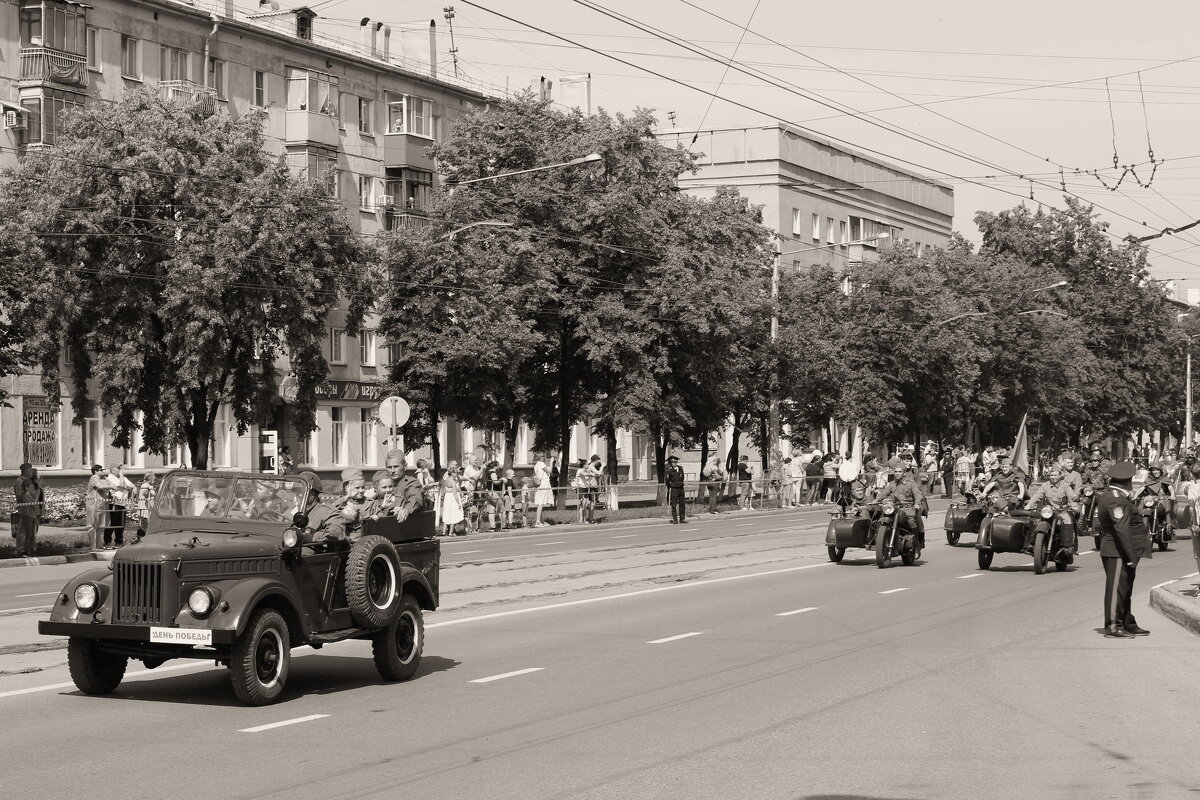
(1124, 540)
(675, 497)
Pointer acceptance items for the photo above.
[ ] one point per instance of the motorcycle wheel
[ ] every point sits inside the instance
(836, 553)
(1097, 543)
(985, 558)
(952, 538)
(1162, 545)
(883, 553)
(1039, 553)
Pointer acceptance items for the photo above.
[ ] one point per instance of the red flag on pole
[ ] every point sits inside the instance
(1020, 451)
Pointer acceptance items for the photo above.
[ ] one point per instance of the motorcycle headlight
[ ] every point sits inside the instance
(1088, 491)
(1047, 512)
(200, 602)
(291, 537)
(888, 509)
(87, 597)
(1148, 502)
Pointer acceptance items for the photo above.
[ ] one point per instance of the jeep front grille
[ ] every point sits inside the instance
(138, 589)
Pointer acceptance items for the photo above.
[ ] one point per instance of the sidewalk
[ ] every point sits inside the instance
(1179, 601)
(52, 531)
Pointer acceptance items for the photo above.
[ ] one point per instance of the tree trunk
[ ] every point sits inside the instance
(510, 440)
(703, 451)
(564, 409)
(435, 443)
(731, 458)
(660, 463)
(199, 430)
(610, 434)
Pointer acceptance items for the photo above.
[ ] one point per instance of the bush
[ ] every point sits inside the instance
(62, 505)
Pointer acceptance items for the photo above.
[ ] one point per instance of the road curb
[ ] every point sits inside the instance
(1176, 609)
(46, 561)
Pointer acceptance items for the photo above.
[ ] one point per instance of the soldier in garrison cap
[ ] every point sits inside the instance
(1124, 539)
(325, 523)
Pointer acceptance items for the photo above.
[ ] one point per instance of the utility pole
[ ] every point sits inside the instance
(453, 48)
(773, 412)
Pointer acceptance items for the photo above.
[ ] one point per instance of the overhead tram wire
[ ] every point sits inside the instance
(846, 109)
(725, 73)
(768, 114)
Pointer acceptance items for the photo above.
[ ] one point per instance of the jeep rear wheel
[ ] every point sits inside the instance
(259, 662)
(93, 670)
(372, 582)
(397, 648)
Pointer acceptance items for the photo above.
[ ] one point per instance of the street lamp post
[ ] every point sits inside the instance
(773, 425)
(1187, 419)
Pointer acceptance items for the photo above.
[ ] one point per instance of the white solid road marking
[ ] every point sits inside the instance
(23, 610)
(676, 638)
(462, 552)
(893, 591)
(507, 675)
(1084, 552)
(972, 575)
(36, 594)
(1164, 583)
(625, 595)
(259, 728)
(797, 611)
(626, 536)
(1190, 575)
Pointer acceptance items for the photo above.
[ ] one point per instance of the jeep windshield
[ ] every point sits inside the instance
(257, 498)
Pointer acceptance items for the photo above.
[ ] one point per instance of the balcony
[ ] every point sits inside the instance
(396, 220)
(188, 92)
(311, 127)
(405, 150)
(46, 65)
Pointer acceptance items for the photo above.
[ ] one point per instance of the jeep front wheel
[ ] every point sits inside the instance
(93, 670)
(397, 648)
(259, 662)
(372, 582)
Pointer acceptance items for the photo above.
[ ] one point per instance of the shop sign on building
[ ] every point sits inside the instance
(289, 388)
(40, 432)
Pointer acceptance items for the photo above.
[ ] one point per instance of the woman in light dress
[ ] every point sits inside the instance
(452, 510)
(544, 496)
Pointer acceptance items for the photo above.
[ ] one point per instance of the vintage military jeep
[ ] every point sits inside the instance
(227, 571)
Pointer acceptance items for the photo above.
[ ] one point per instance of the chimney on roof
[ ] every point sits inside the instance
(432, 49)
(368, 35)
(386, 46)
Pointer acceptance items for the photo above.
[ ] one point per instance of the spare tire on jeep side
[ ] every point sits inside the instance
(373, 582)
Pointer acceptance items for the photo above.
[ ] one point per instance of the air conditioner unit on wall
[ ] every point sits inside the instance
(14, 120)
(385, 201)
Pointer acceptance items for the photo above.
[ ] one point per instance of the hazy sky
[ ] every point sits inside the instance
(995, 76)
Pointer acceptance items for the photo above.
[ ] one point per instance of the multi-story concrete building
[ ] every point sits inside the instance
(827, 203)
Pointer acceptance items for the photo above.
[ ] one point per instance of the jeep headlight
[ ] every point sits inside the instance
(87, 597)
(1047, 512)
(200, 602)
(888, 509)
(291, 537)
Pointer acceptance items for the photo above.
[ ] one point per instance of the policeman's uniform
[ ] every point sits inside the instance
(675, 496)
(1124, 540)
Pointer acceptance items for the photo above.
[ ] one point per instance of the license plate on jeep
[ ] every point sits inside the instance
(181, 636)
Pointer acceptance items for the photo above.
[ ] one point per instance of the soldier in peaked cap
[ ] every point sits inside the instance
(675, 494)
(1124, 539)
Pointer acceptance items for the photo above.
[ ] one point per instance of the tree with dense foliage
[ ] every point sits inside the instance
(178, 260)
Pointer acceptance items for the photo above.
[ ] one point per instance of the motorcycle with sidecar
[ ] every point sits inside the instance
(1159, 523)
(965, 517)
(1020, 531)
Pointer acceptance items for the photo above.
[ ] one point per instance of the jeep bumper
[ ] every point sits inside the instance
(136, 633)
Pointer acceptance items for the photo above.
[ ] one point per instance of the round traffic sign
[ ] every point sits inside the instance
(393, 411)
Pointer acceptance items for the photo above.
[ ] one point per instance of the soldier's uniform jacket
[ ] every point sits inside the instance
(1097, 477)
(906, 491)
(408, 495)
(1123, 532)
(1007, 485)
(326, 522)
(1073, 479)
(1159, 488)
(1058, 496)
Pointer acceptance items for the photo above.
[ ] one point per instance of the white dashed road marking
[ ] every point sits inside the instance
(893, 591)
(626, 536)
(269, 726)
(547, 544)
(1164, 583)
(1085, 552)
(23, 610)
(507, 675)
(972, 575)
(676, 638)
(461, 552)
(797, 611)
(1190, 575)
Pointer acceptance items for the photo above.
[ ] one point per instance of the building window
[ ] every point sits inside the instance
(369, 436)
(393, 353)
(172, 64)
(337, 346)
(842, 231)
(797, 266)
(366, 189)
(221, 445)
(796, 229)
(216, 77)
(131, 57)
(411, 115)
(93, 50)
(366, 348)
(316, 166)
(134, 455)
(45, 115)
(338, 418)
(260, 88)
(816, 227)
(93, 439)
(312, 91)
(829, 230)
(58, 27)
(365, 109)
(411, 189)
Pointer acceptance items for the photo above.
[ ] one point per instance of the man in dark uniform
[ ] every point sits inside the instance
(325, 523)
(906, 491)
(1095, 471)
(675, 499)
(1124, 539)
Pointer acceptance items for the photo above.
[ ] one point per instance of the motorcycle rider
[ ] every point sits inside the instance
(1060, 496)
(1095, 472)
(1157, 486)
(906, 490)
(1003, 492)
(1070, 475)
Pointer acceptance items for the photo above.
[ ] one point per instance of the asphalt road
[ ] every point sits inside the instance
(785, 677)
